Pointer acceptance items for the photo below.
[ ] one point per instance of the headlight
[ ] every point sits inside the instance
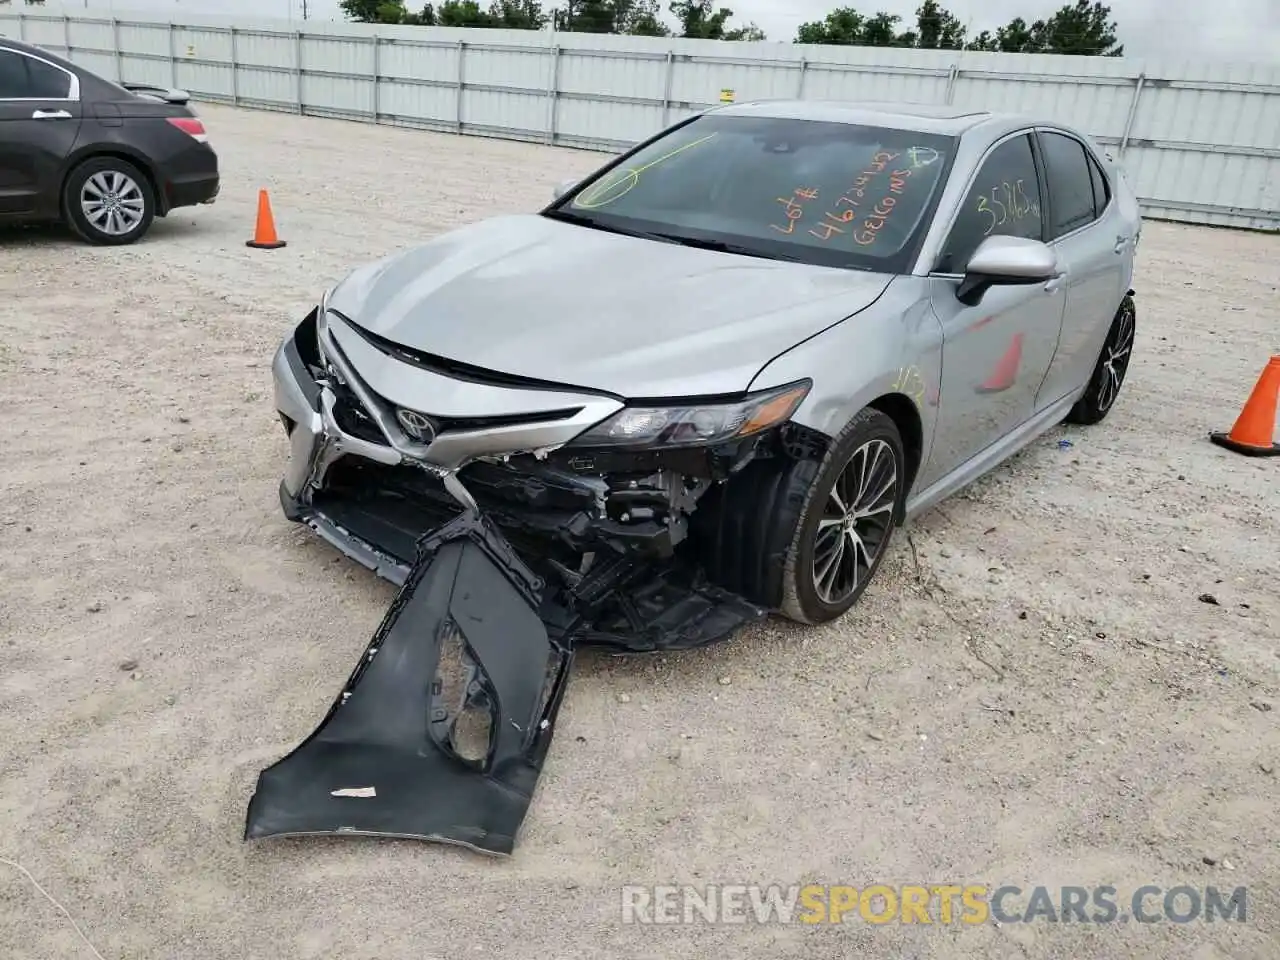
(695, 425)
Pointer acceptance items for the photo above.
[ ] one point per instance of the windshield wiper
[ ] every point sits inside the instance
(721, 247)
(584, 221)
(717, 245)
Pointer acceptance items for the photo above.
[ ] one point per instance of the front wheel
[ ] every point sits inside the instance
(847, 520)
(1109, 372)
(109, 201)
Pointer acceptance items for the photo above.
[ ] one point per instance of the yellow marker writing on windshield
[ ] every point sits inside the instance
(604, 193)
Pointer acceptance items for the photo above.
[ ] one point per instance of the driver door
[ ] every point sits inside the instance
(997, 352)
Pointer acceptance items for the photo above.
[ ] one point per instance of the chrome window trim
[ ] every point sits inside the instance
(73, 90)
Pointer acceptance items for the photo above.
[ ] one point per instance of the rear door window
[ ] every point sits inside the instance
(26, 78)
(1004, 200)
(1070, 182)
(47, 82)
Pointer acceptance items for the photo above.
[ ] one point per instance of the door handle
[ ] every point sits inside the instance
(51, 115)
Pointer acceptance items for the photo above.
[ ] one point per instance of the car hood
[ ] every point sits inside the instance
(557, 302)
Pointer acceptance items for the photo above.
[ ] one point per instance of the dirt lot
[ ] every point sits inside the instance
(1035, 694)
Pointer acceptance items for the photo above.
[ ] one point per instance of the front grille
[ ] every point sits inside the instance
(447, 424)
(356, 420)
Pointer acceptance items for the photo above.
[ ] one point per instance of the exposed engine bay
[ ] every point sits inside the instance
(619, 536)
(614, 543)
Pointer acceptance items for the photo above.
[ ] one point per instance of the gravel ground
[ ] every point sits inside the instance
(1034, 691)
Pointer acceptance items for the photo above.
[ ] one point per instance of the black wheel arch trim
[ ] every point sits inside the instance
(120, 151)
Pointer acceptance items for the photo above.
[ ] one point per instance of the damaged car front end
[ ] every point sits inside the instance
(596, 495)
(555, 518)
(638, 419)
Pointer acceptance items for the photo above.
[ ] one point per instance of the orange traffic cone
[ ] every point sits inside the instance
(1005, 373)
(264, 233)
(1254, 431)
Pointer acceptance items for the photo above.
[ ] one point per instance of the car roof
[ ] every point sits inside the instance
(13, 44)
(921, 117)
(23, 47)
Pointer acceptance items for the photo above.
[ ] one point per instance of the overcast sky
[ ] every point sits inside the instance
(1214, 29)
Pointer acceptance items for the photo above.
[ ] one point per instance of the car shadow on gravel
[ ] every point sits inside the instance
(37, 235)
(56, 235)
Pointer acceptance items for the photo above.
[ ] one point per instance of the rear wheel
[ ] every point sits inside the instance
(109, 201)
(806, 537)
(1109, 372)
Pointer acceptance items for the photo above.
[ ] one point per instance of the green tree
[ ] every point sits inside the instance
(516, 15)
(463, 13)
(842, 26)
(504, 14)
(698, 21)
(587, 16)
(881, 30)
(937, 28)
(375, 11)
(1016, 36)
(640, 18)
(983, 41)
(1083, 29)
(635, 17)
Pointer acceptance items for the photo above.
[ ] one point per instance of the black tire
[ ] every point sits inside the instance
(138, 195)
(760, 536)
(1109, 372)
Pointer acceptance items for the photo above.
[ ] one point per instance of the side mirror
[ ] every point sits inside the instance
(563, 187)
(1006, 261)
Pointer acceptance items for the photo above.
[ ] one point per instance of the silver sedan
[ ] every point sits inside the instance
(708, 381)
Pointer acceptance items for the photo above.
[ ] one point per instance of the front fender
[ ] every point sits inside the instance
(892, 347)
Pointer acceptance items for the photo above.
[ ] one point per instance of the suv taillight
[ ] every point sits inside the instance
(191, 126)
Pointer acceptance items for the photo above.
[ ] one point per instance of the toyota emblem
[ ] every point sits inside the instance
(417, 425)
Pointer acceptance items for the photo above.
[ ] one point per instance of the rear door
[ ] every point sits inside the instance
(40, 116)
(1094, 244)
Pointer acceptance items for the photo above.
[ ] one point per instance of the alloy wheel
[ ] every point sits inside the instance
(856, 521)
(112, 202)
(1115, 359)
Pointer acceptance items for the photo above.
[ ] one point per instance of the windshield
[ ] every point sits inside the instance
(834, 194)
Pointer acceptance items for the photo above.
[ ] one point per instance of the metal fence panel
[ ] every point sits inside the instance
(1200, 141)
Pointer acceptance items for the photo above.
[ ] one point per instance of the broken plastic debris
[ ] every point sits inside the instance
(355, 792)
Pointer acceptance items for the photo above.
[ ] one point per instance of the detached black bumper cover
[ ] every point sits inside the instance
(388, 759)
